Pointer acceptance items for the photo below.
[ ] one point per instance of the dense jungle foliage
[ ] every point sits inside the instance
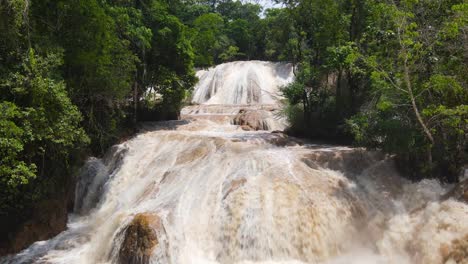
(75, 76)
(72, 78)
(390, 75)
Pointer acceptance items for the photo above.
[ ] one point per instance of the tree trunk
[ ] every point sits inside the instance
(414, 105)
(418, 115)
(305, 102)
(135, 103)
(339, 92)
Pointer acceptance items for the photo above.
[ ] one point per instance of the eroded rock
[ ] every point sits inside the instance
(282, 140)
(48, 219)
(140, 239)
(246, 128)
(232, 186)
(459, 192)
(192, 155)
(457, 253)
(351, 161)
(255, 120)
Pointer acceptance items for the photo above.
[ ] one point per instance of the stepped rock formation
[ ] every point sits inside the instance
(220, 187)
(244, 93)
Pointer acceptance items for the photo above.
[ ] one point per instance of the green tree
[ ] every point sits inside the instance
(280, 36)
(39, 126)
(208, 39)
(170, 61)
(417, 89)
(317, 30)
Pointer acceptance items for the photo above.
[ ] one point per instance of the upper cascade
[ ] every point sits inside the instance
(242, 83)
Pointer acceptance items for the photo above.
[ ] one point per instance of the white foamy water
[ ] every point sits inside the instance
(225, 195)
(249, 90)
(242, 82)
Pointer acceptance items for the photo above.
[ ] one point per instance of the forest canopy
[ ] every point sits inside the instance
(390, 75)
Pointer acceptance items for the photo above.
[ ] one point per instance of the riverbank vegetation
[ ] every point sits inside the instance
(76, 76)
(73, 77)
(390, 75)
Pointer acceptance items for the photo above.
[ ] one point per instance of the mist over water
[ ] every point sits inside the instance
(213, 192)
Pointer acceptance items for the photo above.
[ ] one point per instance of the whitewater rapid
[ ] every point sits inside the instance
(212, 191)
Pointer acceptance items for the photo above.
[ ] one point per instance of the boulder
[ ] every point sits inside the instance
(459, 192)
(140, 239)
(457, 252)
(281, 140)
(251, 120)
(348, 161)
(246, 128)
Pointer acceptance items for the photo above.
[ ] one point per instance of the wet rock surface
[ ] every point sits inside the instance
(232, 186)
(351, 161)
(459, 192)
(256, 120)
(49, 219)
(253, 117)
(457, 253)
(140, 239)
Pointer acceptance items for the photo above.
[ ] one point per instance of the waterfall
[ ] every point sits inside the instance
(248, 90)
(242, 82)
(219, 187)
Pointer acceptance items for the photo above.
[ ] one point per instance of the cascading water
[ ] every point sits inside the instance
(251, 88)
(242, 82)
(204, 190)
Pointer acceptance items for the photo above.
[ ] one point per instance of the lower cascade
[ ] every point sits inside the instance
(219, 187)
